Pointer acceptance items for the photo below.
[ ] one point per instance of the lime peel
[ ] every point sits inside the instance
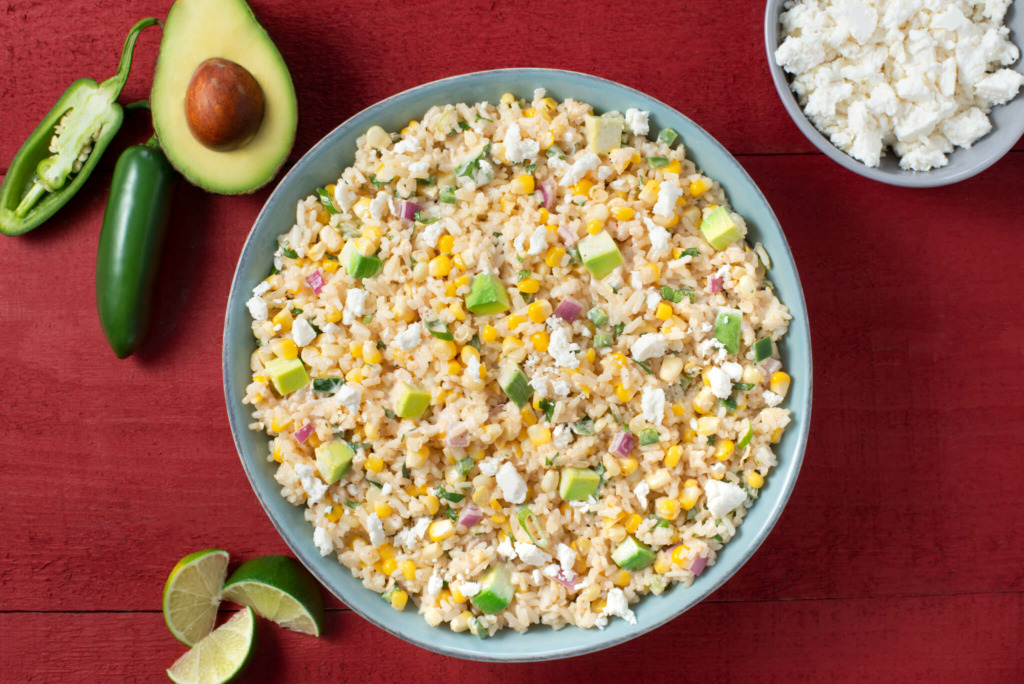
(192, 594)
(280, 589)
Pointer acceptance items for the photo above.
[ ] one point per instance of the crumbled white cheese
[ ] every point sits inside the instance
(560, 388)
(314, 486)
(432, 232)
(658, 236)
(649, 346)
(378, 204)
(434, 585)
(386, 489)
(355, 306)
(641, 491)
(637, 121)
(771, 398)
(375, 529)
(344, 196)
(322, 539)
(506, 550)
(617, 605)
(537, 576)
(538, 241)
(350, 396)
(653, 299)
(517, 149)
(668, 195)
(258, 309)
(604, 172)
(566, 557)
(733, 370)
(489, 466)
(410, 338)
(468, 589)
(410, 535)
(999, 87)
(540, 385)
(261, 289)
(407, 146)
(302, 332)
(562, 350)
(420, 168)
(721, 385)
(723, 497)
(473, 367)
(511, 483)
(561, 436)
(579, 169)
(531, 554)
(652, 403)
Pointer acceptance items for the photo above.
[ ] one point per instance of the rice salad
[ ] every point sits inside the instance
(519, 365)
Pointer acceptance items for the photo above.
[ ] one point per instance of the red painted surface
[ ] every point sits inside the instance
(900, 556)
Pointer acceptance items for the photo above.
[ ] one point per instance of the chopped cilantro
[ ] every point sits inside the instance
(448, 195)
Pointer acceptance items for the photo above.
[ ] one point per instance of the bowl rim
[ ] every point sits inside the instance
(933, 178)
(796, 303)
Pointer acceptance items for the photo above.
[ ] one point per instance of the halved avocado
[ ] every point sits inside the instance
(200, 30)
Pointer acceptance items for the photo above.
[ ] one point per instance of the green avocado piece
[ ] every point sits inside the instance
(603, 134)
(513, 380)
(762, 349)
(600, 254)
(632, 554)
(496, 590)
(487, 295)
(578, 483)
(727, 329)
(410, 401)
(719, 229)
(287, 375)
(194, 32)
(333, 460)
(359, 265)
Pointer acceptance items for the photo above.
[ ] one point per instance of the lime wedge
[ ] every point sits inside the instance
(221, 655)
(280, 589)
(192, 594)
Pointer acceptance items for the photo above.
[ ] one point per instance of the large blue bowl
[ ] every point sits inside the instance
(323, 164)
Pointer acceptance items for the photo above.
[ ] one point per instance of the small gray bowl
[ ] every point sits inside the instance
(1007, 122)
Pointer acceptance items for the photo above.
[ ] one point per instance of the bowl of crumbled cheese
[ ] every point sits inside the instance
(918, 93)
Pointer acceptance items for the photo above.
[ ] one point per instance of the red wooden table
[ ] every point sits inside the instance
(899, 558)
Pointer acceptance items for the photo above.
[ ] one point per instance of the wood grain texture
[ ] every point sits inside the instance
(898, 558)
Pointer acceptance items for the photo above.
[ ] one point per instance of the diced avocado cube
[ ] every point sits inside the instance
(487, 295)
(602, 340)
(410, 401)
(719, 229)
(496, 590)
(513, 380)
(600, 254)
(333, 460)
(359, 265)
(603, 134)
(632, 554)
(747, 432)
(727, 329)
(763, 349)
(287, 375)
(578, 484)
(597, 316)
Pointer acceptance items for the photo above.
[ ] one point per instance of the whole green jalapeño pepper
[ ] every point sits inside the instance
(63, 150)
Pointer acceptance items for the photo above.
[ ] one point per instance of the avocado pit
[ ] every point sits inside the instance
(223, 105)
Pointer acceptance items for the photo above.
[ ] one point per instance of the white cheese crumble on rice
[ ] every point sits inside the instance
(649, 346)
(355, 306)
(637, 121)
(617, 605)
(314, 486)
(723, 497)
(323, 541)
(302, 332)
(410, 338)
(562, 350)
(375, 528)
(652, 403)
(511, 483)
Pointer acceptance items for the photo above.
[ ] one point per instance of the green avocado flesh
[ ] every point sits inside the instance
(600, 254)
(287, 375)
(410, 401)
(727, 330)
(517, 387)
(719, 229)
(333, 460)
(578, 483)
(632, 554)
(496, 590)
(197, 30)
(360, 265)
(487, 295)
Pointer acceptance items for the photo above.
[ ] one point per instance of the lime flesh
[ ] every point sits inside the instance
(280, 589)
(192, 594)
(221, 655)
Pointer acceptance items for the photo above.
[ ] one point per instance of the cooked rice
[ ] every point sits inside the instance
(401, 465)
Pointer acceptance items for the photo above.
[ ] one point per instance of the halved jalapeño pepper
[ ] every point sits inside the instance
(63, 150)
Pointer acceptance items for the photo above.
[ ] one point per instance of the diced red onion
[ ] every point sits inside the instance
(770, 366)
(316, 281)
(456, 436)
(407, 209)
(568, 309)
(714, 284)
(622, 444)
(568, 235)
(567, 578)
(471, 514)
(303, 433)
(548, 190)
(697, 566)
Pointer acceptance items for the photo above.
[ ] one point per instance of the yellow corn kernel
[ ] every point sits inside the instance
(704, 400)
(286, 349)
(619, 359)
(629, 466)
(554, 256)
(499, 518)
(508, 98)
(678, 409)
(539, 311)
(514, 320)
(388, 566)
(382, 509)
(549, 104)
(623, 213)
(633, 523)
(329, 265)
(679, 554)
(666, 222)
(415, 458)
(623, 393)
(371, 430)
(621, 578)
(399, 599)
(649, 195)
(724, 449)
(455, 308)
(776, 436)
(374, 464)
(334, 515)
(590, 355)
(431, 502)
(707, 425)
(542, 216)
(450, 289)
(481, 496)
(279, 425)
(664, 311)
(333, 315)
(454, 368)
(594, 227)
(445, 350)
(468, 352)
(528, 416)
(371, 355)
(672, 167)
(440, 266)
(355, 375)
(362, 208)
(459, 262)
(408, 569)
(689, 435)
(529, 112)
(522, 184)
(755, 479)
(284, 319)
(540, 341)
(440, 530)
(672, 456)
(661, 566)
(539, 435)
(585, 388)
(444, 596)
(779, 383)
(510, 344)
(582, 188)
(699, 187)
(598, 605)
(667, 508)
(457, 595)
(489, 333)
(688, 499)
(650, 273)
(527, 286)
(372, 231)
(445, 244)
(259, 378)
